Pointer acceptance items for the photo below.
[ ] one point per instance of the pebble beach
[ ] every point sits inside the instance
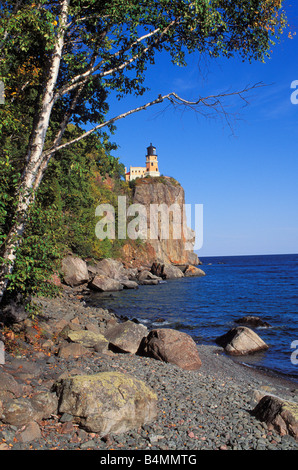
(208, 409)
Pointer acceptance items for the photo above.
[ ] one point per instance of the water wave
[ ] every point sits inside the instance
(205, 308)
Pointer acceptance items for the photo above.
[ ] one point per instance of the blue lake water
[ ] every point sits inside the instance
(207, 307)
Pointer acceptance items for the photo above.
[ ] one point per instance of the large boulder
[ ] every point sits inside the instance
(131, 273)
(171, 272)
(75, 271)
(88, 339)
(45, 403)
(129, 284)
(172, 346)
(72, 350)
(193, 271)
(166, 271)
(21, 411)
(240, 341)
(126, 337)
(108, 402)
(278, 414)
(111, 268)
(105, 284)
(145, 277)
(18, 412)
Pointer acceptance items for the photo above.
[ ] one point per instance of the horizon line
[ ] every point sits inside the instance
(256, 254)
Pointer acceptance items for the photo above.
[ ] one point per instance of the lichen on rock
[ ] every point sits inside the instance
(107, 402)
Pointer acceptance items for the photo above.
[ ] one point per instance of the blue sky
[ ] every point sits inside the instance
(246, 176)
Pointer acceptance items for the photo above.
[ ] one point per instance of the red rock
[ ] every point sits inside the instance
(72, 350)
(172, 346)
(29, 433)
(9, 387)
(67, 428)
(278, 414)
(55, 279)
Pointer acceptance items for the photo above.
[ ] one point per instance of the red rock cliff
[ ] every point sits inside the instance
(168, 192)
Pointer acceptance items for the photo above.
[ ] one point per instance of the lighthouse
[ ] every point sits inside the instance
(151, 162)
(151, 168)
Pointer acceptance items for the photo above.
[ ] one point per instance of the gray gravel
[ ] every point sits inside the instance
(209, 409)
(205, 410)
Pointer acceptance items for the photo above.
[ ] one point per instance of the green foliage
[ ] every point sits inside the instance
(153, 180)
(38, 256)
(8, 183)
(62, 217)
(106, 34)
(114, 40)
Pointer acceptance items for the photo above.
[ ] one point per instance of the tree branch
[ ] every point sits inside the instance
(132, 59)
(75, 82)
(104, 124)
(212, 101)
(43, 161)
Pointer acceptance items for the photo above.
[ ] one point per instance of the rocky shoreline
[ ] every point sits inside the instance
(212, 407)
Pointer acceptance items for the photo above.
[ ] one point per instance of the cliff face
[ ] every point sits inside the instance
(176, 246)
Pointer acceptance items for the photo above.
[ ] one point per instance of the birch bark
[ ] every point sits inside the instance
(35, 156)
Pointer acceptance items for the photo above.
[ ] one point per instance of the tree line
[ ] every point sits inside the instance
(60, 61)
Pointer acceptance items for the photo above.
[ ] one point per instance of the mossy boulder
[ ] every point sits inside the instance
(88, 339)
(107, 402)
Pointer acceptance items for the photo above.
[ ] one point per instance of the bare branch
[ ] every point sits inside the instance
(214, 106)
(214, 102)
(132, 59)
(104, 124)
(75, 82)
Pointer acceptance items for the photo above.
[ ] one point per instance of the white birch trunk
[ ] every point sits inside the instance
(34, 158)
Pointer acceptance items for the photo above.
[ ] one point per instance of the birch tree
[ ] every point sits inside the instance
(76, 52)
